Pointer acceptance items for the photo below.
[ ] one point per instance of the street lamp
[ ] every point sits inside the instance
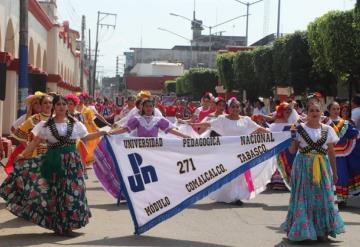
(171, 32)
(209, 27)
(247, 16)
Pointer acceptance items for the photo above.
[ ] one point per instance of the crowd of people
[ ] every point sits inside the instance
(58, 135)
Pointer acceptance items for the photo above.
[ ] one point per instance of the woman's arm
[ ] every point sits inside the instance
(118, 131)
(332, 159)
(260, 130)
(94, 135)
(177, 133)
(201, 125)
(27, 153)
(102, 119)
(294, 147)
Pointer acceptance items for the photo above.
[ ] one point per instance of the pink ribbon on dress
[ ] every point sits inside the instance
(249, 181)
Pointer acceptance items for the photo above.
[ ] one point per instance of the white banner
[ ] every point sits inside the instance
(160, 177)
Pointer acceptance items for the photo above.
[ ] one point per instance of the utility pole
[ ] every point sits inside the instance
(101, 17)
(117, 66)
(23, 89)
(247, 4)
(82, 51)
(90, 75)
(278, 20)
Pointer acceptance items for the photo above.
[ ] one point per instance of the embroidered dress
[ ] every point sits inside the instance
(253, 182)
(312, 212)
(344, 147)
(353, 161)
(148, 126)
(88, 116)
(281, 178)
(49, 190)
(22, 133)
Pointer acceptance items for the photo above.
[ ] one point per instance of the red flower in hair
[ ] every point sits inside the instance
(73, 98)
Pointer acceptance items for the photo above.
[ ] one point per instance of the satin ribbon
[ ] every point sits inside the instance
(52, 162)
(318, 164)
(249, 181)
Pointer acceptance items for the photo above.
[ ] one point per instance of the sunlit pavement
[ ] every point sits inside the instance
(256, 223)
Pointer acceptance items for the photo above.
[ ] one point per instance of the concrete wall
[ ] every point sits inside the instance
(187, 57)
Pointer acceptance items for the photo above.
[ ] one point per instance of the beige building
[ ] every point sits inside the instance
(52, 54)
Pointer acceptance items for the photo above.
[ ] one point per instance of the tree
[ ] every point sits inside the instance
(263, 70)
(170, 86)
(292, 63)
(225, 70)
(196, 82)
(334, 46)
(245, 75)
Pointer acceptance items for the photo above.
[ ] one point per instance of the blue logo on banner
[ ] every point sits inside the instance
(142, 176)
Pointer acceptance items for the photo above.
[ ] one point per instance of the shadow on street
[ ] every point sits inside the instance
(145, 241)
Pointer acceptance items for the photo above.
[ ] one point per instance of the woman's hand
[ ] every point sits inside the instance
(335, 178)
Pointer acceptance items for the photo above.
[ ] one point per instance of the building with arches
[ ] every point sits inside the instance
(54, 62)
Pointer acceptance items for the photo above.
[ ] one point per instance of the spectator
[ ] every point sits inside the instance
(355, 113)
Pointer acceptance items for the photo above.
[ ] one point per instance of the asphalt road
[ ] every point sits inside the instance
(206, 223)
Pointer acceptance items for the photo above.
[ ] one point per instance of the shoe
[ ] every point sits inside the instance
(238, 202)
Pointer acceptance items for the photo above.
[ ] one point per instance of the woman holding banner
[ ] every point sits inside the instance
(49, 190)
(312, 213)
(253, 181)
(147, 124)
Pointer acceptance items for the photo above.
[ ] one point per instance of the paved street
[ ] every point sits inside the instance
(205, 224)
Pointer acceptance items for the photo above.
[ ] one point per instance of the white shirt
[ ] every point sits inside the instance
(315, 135)
(227, 127)
(79, 131)
(355, 117)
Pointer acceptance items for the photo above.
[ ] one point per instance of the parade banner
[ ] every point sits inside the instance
(160, 177)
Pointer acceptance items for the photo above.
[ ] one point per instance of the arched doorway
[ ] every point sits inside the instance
(44, 62)
(31, 52)
(10, 103)
(38, 57)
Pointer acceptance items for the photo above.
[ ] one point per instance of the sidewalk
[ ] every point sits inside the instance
(256, 223)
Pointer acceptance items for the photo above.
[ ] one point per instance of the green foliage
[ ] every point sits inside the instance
(225, 69)
(245, 74)
(263, 70)
(170, 86)
(195, 82)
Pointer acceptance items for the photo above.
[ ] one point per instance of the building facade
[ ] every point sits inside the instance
(54, 62)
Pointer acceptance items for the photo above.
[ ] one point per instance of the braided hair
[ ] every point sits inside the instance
(55, 100)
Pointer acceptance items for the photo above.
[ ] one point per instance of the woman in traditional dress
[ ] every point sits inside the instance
(23, 132)
(312, 213)
(89, 116)
(147, 124)
(347, 133)
(33, 107)
(49, 190)
(244, 187)
(220, 108)
(281, 178)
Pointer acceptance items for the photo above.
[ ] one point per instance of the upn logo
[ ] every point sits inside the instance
(142, 175)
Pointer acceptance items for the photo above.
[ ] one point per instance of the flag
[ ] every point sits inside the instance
(161, 177)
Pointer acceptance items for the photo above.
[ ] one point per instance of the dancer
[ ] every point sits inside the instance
(23, 132)
(147, 124)
(347, 133)
(312, 213)
(244, 187)
(281, 178)
(49, 190)
(33, 107)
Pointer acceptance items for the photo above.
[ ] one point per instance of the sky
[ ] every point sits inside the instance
(137, 21)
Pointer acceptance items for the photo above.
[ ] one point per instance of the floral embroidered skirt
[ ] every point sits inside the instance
(58, 205)
(312, 212)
